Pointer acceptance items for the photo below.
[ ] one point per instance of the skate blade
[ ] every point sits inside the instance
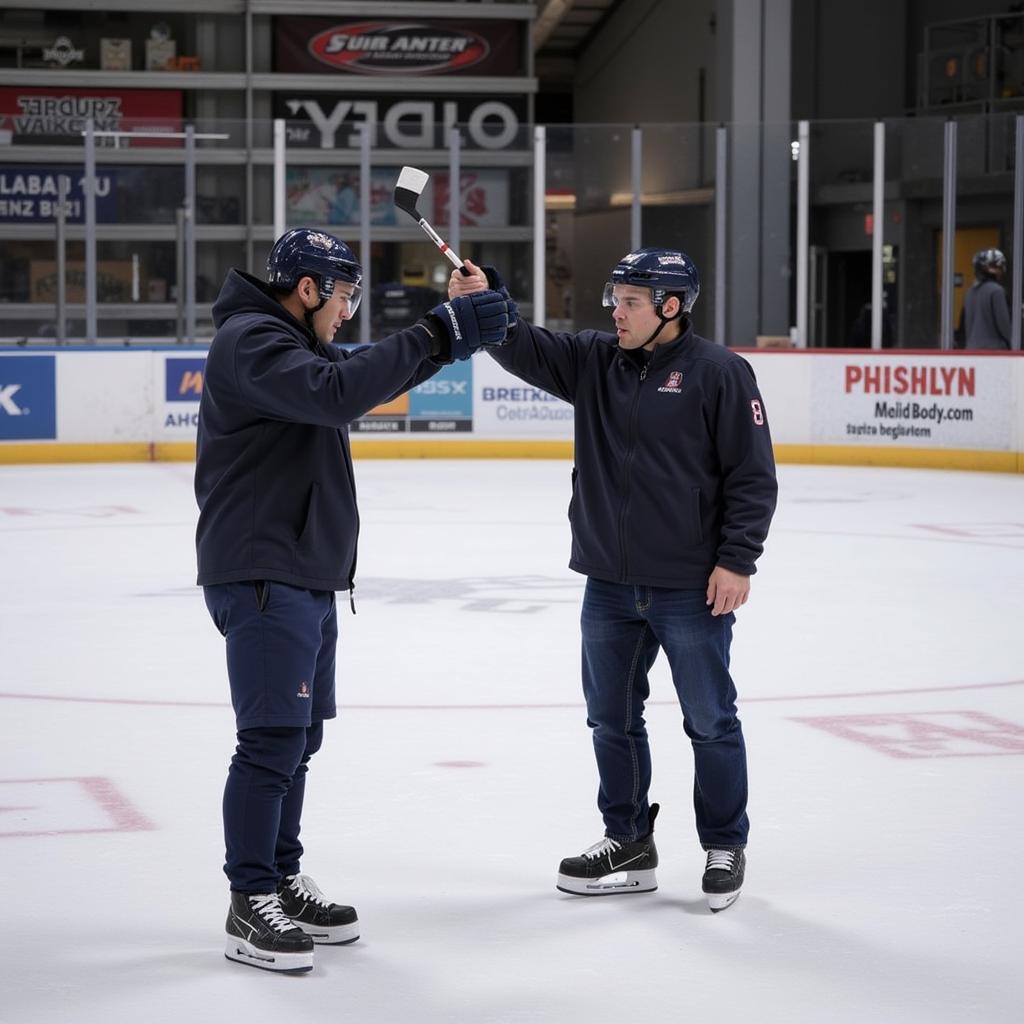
(720, 901)
(609, 885)
(340, 935)
(284, 963)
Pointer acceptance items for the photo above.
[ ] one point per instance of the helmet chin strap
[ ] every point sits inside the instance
(308, 314)
(664, 320)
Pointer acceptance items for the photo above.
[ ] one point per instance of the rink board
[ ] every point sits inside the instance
(840, 407)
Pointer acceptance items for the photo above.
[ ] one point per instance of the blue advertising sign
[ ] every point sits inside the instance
(29, 194)
(28, 398)
(184, 379)
(445, 402)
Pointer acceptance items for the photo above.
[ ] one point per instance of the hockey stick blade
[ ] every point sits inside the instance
(408, 189)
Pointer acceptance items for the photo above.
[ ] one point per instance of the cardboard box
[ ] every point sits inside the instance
(116, 54)
(159, 52)
(113, 281)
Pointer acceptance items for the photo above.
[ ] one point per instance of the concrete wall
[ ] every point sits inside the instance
(860, 60)
(645, 65)
(849, 60)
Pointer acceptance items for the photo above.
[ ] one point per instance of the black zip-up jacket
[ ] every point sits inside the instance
(274, 480)
(674, 472)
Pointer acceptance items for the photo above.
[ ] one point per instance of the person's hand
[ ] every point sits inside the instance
(478, 279)
(471, 321)
(727, 590)
(495, 283)
(467, 284)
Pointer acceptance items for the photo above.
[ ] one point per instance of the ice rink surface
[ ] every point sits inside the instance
(880, 665)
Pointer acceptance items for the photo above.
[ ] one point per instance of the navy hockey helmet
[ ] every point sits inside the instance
(988, 260)
(303, 253)
(664, 271)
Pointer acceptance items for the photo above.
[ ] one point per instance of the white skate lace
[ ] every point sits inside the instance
(269, 908)
(600, 849)
(304, 887)
(720, 860)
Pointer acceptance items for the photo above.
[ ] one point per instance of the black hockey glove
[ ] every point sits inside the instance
(467, 323)
(494, 281)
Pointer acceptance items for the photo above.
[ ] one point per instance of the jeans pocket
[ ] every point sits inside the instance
(262, 588)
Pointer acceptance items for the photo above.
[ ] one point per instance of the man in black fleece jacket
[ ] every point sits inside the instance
(277, 532)
(673, 491)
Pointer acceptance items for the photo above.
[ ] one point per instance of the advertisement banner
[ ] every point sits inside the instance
(390, 418)
(918, 401)
(330, 196)
(441, 405)
(178, 416)
(31, 115)
(29, 194)
(184, 379)
(483, 200)
(504, 406)
(332, 46)
(329, 121)
(28, 398)
(444, 404)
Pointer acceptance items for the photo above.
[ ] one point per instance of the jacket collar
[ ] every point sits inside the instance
(662, 353)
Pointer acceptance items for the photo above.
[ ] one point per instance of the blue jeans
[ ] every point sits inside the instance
(623, 628)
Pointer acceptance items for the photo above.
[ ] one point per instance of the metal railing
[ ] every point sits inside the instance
(915, 183)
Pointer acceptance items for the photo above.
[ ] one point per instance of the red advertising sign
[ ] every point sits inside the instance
(379, 47)
(932, 400)
(483, 199)
(31, 115)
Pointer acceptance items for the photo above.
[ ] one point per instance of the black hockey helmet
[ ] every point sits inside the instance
(664, 271)
(304, 253)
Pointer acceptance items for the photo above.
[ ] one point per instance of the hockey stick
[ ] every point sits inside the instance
(408, 189)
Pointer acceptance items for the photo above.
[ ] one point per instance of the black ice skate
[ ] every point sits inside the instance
(723, 877)
(613, 866)
(325, 922)
(261, 936)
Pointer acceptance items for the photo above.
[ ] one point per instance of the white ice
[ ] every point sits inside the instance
(879, 665)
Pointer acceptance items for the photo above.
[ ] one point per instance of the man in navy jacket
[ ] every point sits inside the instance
(276, 538)
(673, 490)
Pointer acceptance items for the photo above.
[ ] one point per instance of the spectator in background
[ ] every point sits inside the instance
(986, 311)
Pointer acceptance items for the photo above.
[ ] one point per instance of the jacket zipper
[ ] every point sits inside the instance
(347, 455)
(633, 417)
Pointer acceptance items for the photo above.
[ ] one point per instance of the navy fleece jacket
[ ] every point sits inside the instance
(674, 472)
(274, 480)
